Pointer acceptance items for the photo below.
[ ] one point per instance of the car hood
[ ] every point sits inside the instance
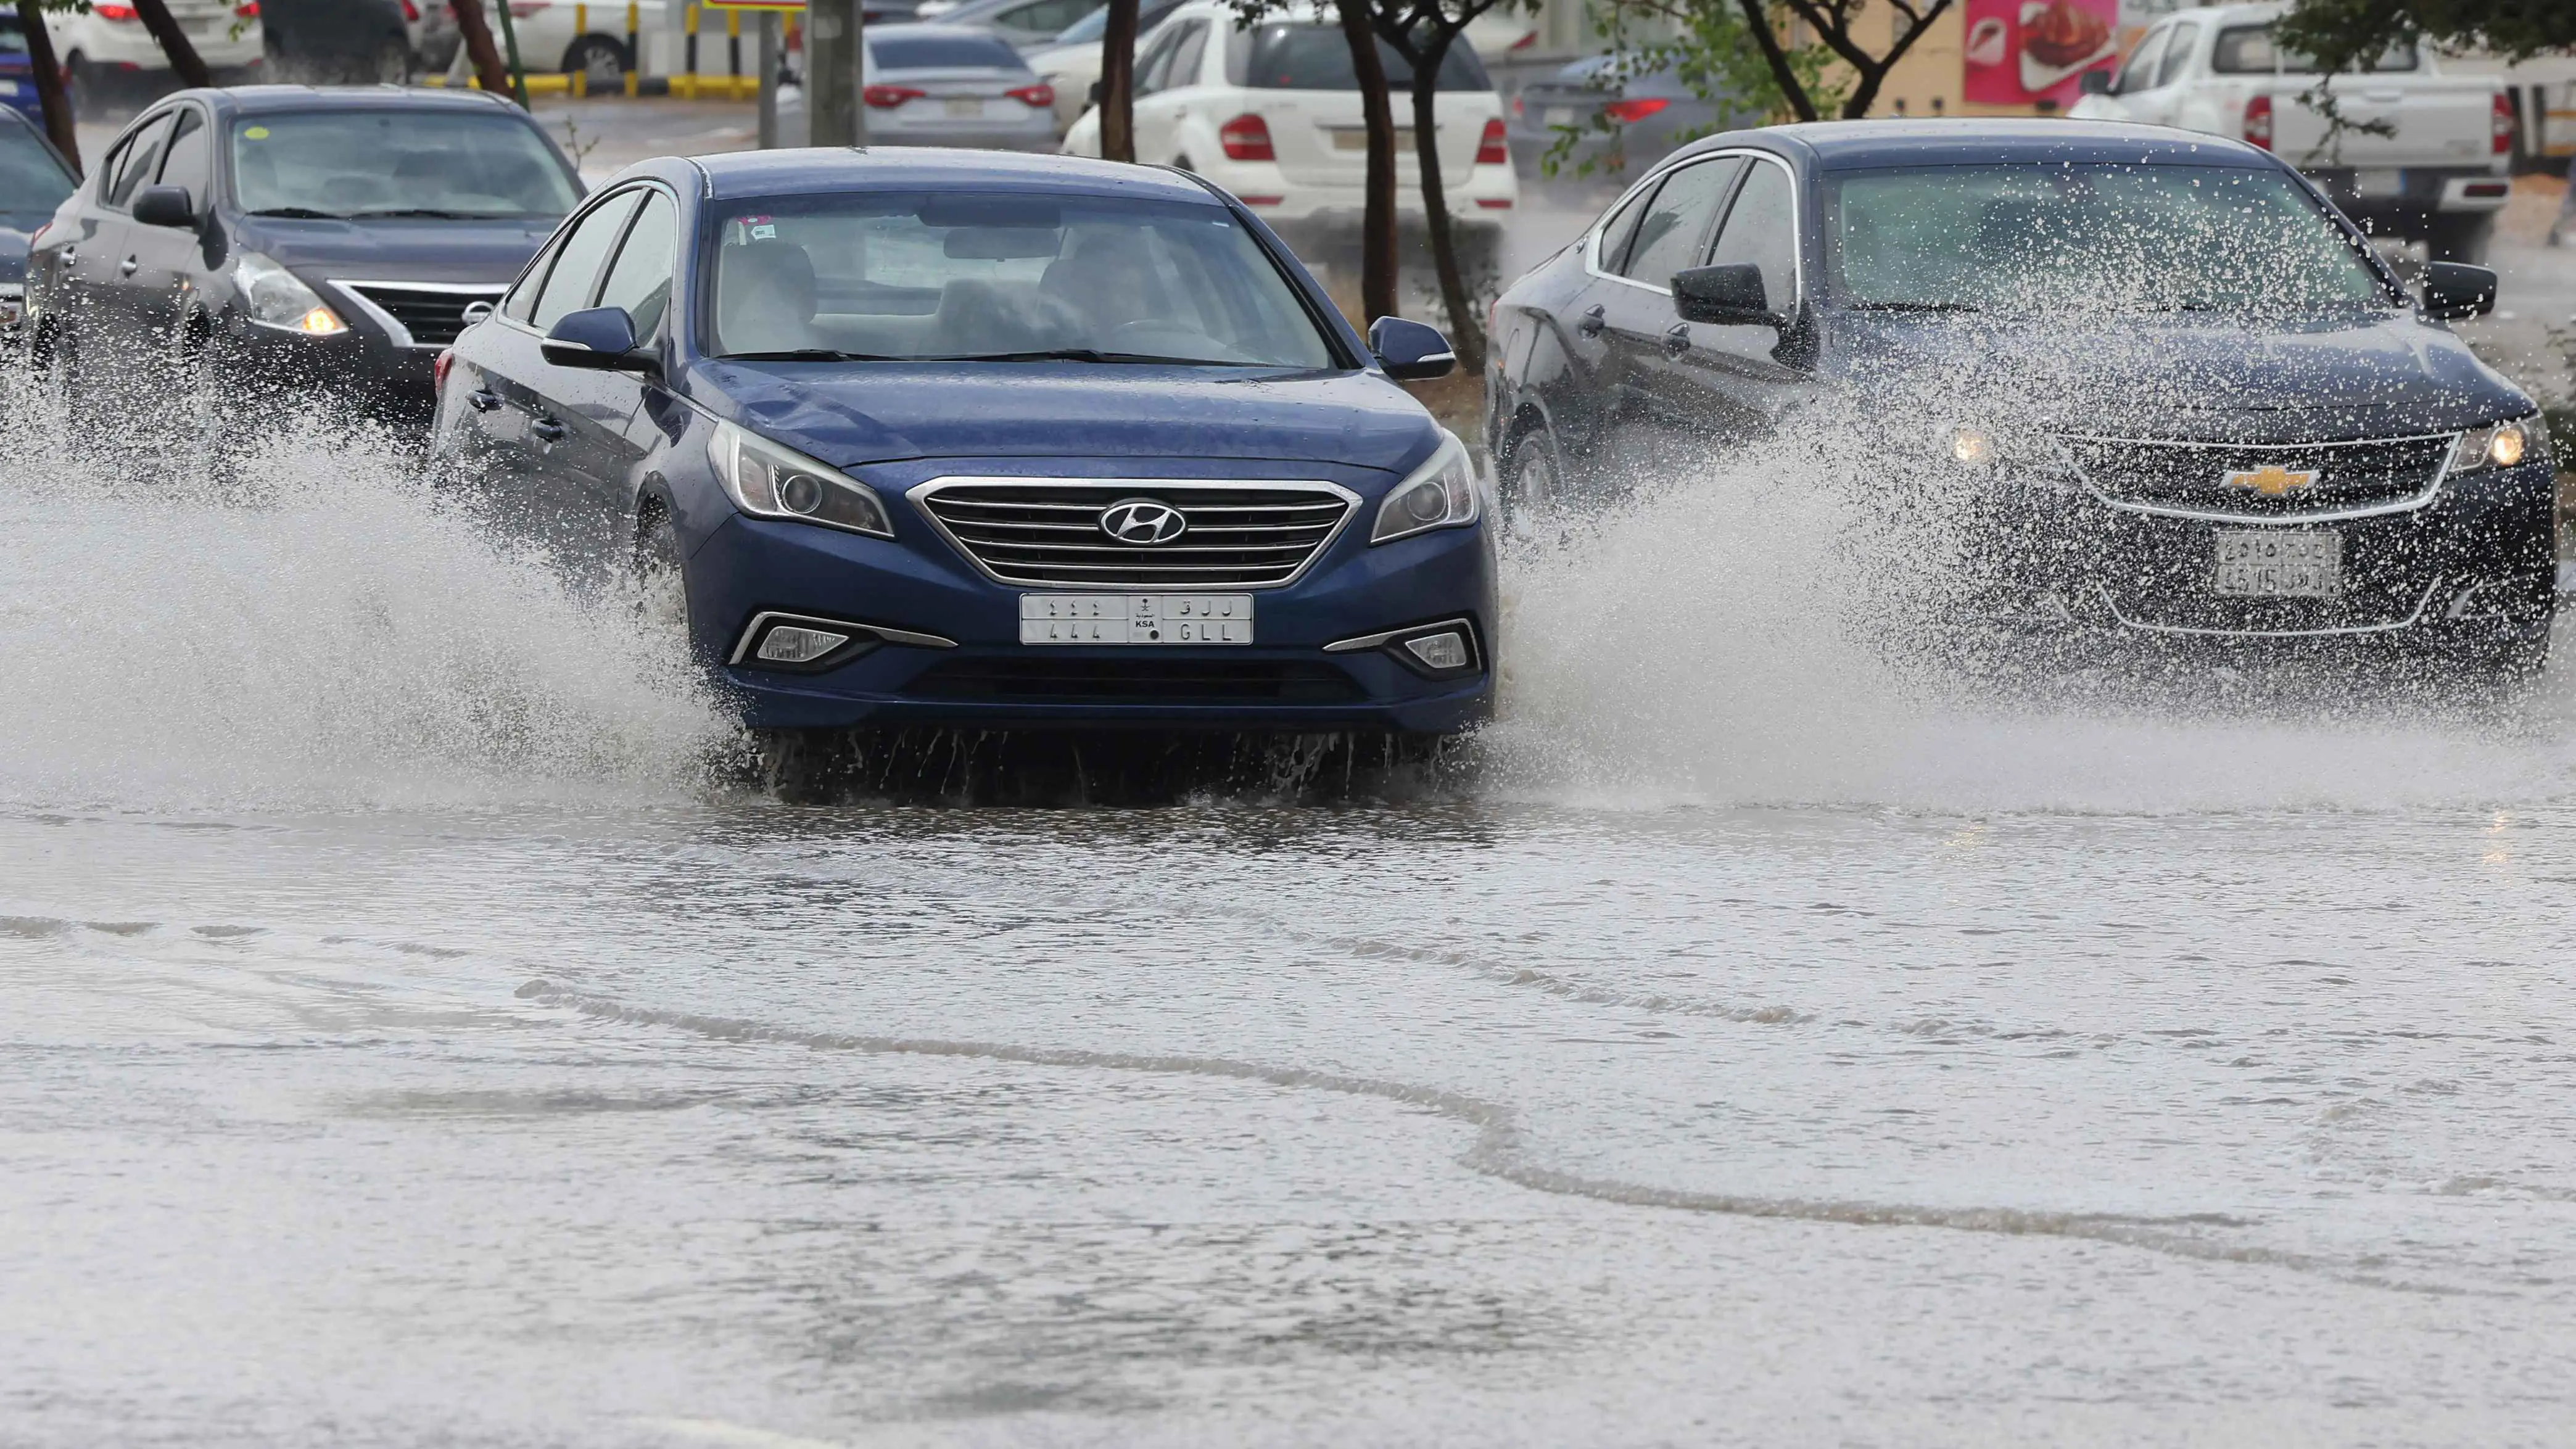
(848, 414)
(398, 250)
(2386, 376)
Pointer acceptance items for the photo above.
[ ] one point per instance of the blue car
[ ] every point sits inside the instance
(17, 70)
(962, 438)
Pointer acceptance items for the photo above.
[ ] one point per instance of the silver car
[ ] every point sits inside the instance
(952, 85)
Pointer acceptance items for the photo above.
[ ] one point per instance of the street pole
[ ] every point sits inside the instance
(768, 80)
(834, 114)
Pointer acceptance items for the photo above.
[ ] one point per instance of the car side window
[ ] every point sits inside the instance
(577, 262)
(1186, 57)
(142, 158)
(2140, 73)
(1049, 16)
(191, 160)
(1621, 228)
(640, 279)
(2177, 55)
(1675, 225)
(1156, 59)
(1762, 229)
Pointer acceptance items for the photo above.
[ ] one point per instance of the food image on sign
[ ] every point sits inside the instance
(2020, 51)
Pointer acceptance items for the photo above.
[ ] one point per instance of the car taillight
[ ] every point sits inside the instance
(113, 14)
(1037, 97)
(2502, 125)
(1490, 150)
(1246, 138)
(2258, 122)
(1629, 113)
(438, 370)
(886, 98)
(249, 10)
(411, 12)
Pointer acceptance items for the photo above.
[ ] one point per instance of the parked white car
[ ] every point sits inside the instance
(1270, 112)
(1071, 62)
(591, 37)
(111, 38)
(2438, 176)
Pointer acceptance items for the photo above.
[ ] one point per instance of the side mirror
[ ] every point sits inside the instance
(2093, 83)
(596, 337)
(2453, 290)
(1091, 98)
(165, 206)
(1409, 351)
(1730, 295)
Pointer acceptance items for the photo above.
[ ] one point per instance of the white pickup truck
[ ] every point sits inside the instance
(2438, 176)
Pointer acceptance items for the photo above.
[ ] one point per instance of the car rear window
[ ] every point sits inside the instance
(1283, 57)
(29, 178)
(13, 41)
(372, 162)
(943, 52)
(2248, 50)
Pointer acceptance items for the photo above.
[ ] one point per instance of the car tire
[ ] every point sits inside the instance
(1533, 482)
(658, 583)
(2460, 238)
(599, 60)
(393, 63)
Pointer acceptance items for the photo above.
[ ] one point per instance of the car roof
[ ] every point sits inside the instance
(262, 99)
(929, 168)
(1961, 141)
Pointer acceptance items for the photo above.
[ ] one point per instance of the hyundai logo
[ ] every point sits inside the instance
(1143, 521)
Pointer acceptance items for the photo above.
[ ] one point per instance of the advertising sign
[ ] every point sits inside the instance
(2020, 51)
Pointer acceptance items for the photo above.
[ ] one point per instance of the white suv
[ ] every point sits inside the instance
(1270, 112)
(110, 38)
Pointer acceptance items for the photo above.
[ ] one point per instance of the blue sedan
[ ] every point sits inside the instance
(963, 438)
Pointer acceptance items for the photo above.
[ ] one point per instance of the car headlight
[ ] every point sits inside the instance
(768, 481)
(1973, 447)
(1439, 494)
(2500, 445)
(272, 296)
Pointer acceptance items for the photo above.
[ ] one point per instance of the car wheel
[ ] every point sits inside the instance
(658, 581)
(393, 62)
(2461, 238)
(1533, 484)
(600, 61)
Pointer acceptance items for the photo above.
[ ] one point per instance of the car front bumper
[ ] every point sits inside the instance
(358, 370)
(2473, 567)
(920, 585)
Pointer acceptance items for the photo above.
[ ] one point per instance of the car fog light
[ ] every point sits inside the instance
(1439, 651)
(1973, 447)
(794, 644)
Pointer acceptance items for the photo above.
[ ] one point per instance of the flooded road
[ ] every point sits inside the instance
(407, 1043)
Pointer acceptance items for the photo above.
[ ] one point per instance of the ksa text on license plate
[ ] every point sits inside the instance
(1135, 618)
(2278, 563)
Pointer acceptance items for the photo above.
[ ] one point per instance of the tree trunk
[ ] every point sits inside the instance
(1466, 338)
(1377, 218)
(184, 61)
(489, 72)
(49, 83)
(1118, 82)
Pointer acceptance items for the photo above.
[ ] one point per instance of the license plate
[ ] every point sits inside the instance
(1562, 115)
(2379, 183)
(1135, 618)
(2279, 564)
(965, 108)
(8, 88)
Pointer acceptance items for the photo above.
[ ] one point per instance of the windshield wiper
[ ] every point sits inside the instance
(1081, 354)
(1911, 306)
(808, 354)
(436, 214)
(300, 213)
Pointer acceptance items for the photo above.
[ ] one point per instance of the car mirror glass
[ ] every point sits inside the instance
(1410, 351)
(1731, 295)
(2093, 83)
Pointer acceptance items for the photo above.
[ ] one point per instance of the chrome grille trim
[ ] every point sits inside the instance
(2437, 448)
(425, 315)
(1042, 533)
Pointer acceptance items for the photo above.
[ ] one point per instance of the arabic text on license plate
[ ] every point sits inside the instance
(2279, 563)
(965, 108)
(1135, 618)
(2379, 183)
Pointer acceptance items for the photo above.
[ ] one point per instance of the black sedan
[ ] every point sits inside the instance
(299, 241)
(2158, 385)
(34, 179)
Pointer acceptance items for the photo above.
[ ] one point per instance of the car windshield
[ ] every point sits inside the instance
(353, 163)
(1002, 277)
(13, 41)
(2084, 238)
(1283, 56)
(30, 179)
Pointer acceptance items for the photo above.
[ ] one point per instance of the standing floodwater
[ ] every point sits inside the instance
(407, 1043)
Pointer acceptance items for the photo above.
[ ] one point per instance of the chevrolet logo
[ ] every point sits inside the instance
(2272, 480)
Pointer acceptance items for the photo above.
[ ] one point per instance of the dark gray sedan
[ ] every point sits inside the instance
(1620, 121)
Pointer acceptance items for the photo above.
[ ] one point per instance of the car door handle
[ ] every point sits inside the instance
(1677, 338)
(549, 431)
(126, 268)
(482, 400)
(1595, 318)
